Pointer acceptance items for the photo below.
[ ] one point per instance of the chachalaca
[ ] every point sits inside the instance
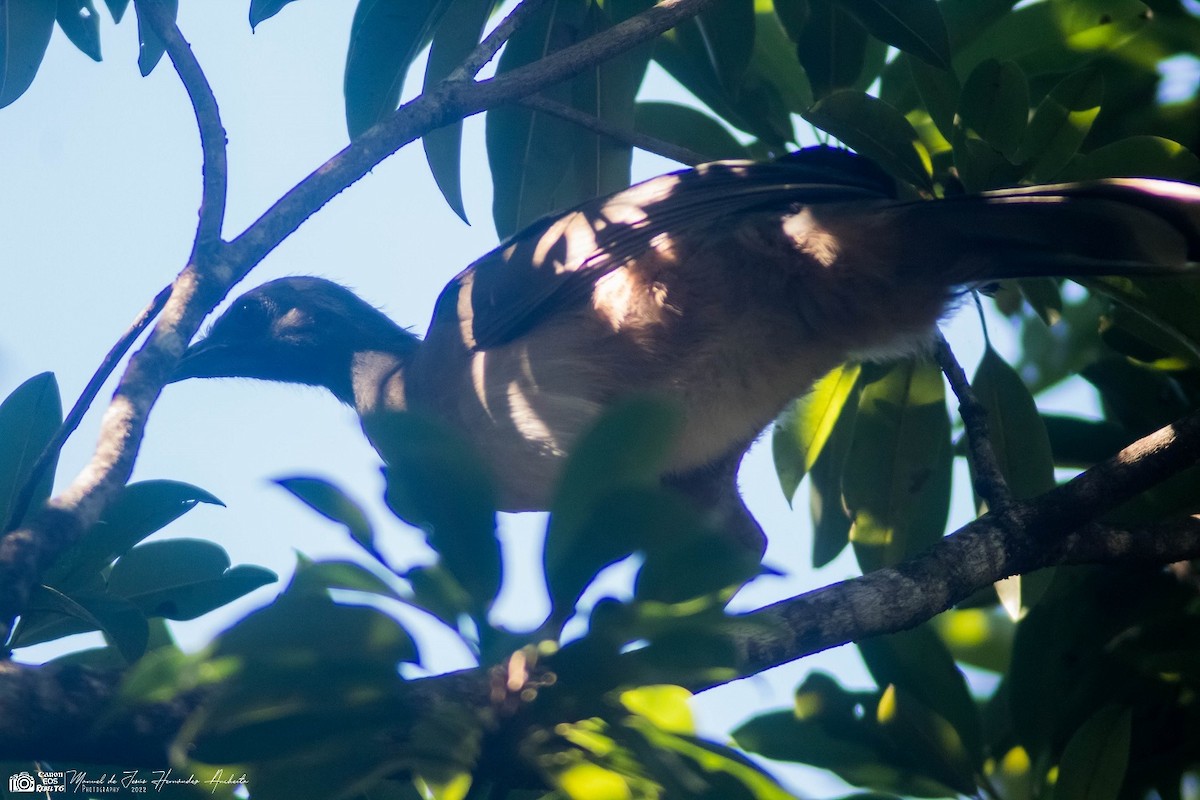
(728, 288)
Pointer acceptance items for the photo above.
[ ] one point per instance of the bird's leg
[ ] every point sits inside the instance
(714, 490)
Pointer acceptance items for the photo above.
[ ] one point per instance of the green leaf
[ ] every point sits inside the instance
(939, 91)
(981, 637)
(1081, 443)
(994, 106)
(1044, 298)
(918, 662)
(1135, 157)
(385, 37)
(1093, 765)
(758, 107)
(436, 482)
(912, 26)
(1054, 37)
(332, 503)
(139, 510)
(827, 728)
(931, 744)
(774, 63)
(50, 615)
(455, 37)
(182, 578)
(25, 28)
(877, 131)
(897, 475)
(80, 22)
(117, 8)
(832, 48)
(350, 643)
(803, 430)
(265, 9)
(1015, 428)
(627, 448)
(531, 154)
(29, 418)
(727, 28)
(830, 520)
(150, 47)
(687, 127)
(1061, 122)
(793, 15)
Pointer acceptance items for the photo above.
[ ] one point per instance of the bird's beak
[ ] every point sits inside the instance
(205, 359)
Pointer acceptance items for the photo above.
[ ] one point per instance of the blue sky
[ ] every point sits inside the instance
(99, 184)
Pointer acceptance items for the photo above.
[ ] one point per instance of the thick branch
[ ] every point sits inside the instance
(615, 132)
(1058, 527)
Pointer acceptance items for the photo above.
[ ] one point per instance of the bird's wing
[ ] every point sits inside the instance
(553, 264)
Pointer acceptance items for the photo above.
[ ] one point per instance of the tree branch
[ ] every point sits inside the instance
(615, 132)
(491, 44)
(1057, 527)
(445, 103)
(75, 416)
(215, 167)
(989, 480)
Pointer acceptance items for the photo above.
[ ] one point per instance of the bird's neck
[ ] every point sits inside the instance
(377, 381)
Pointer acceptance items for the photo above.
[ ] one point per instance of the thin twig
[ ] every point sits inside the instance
(75, 416)
(491, 44)
(615, 132)
(215, 167)
(989, 480)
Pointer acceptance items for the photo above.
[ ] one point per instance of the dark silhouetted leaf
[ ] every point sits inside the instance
(80, 22)
(332, 503)
(912, 26)
(1135, 157)
(832, 48)
(801, 433)
(140, 510)
(25, 28)
(994, 106)
(117, 8)
(1093, 764)
(688, 127)
(437, 483)
(728, 31)
(385, 37)
(182, 578)
(626, 448)
(51, 614)
(1061, 123)
(150, 47)
(896, 481)
(877, 131)
(918, 662)
(29, 418)
(261, 10)
(931, 744)
(455, 37)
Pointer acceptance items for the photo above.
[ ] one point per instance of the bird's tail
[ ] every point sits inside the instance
(1122, 226)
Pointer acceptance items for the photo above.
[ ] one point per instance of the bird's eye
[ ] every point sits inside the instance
(243, 317)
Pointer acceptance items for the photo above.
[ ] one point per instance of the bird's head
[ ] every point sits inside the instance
(296, 330)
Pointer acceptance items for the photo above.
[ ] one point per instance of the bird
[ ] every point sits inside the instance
(728, 289)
